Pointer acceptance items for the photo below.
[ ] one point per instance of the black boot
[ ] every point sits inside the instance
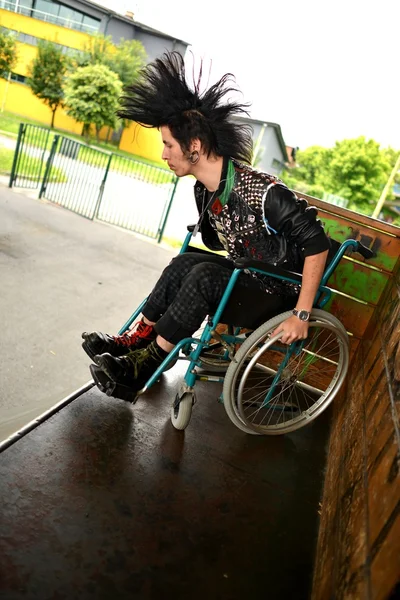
(118, 345)
(111, 388)
(134, 369)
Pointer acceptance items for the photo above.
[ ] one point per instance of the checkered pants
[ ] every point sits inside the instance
(191, 287)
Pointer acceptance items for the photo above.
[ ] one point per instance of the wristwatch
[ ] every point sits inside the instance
(303, 315)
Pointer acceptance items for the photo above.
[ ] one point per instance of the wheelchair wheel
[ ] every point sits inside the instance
(272, 388)
(215, 357)
(181, 410)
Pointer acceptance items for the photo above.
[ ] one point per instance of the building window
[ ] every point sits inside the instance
(277, 165)
(32, 40)
(55, 13)
(66, 16)
(47, 8)
(25, 7)
(8, 5)
(90, 22)
(18, 78)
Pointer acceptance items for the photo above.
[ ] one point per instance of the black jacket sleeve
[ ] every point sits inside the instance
(295, 220)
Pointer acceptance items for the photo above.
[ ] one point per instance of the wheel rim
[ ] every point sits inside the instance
(216, 356)
(296, 386)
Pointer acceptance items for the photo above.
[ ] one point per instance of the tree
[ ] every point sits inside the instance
(96, 51)
(389, 211)
(8, 53)
(311, 173)
(356, 169)
(47, 74)
(390, 155)
(91, 97)
(127, 60)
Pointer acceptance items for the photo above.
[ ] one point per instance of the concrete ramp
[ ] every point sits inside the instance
(105, 500)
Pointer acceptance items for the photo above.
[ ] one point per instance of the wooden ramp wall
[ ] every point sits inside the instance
(358, 550)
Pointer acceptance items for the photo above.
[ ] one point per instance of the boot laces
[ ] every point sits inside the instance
(129, 338)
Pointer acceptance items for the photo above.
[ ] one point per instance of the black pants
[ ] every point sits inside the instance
(191, 287)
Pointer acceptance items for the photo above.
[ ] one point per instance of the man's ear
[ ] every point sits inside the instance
(195, 145)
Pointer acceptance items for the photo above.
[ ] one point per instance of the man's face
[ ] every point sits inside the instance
(173, 155)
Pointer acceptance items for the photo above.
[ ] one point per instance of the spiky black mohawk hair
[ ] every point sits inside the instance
(162, 96)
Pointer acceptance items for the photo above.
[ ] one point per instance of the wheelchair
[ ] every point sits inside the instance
(269, 388)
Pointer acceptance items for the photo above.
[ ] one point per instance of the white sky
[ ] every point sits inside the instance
(323, 71)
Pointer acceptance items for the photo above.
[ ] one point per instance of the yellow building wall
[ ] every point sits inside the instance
(26, 54)
(21, 101)
(46, 31)
(136, 139)
(142, 141)
(19, 98)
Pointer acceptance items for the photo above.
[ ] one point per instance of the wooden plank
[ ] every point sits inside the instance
(354, 346)
(359, 281)
(342, 224)
(386, 247)
(354, 315)
(385, 562)
(350, 215)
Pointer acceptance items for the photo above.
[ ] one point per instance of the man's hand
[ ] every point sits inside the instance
(293, 329)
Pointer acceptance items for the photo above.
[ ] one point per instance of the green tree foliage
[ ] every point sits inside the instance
(91, 97)
(125, 59)
(356, 169)
(391, 155)
(310, 175)
(8, 53)
(47, 74)
(96, 51)
(129, 57)
(389, 212)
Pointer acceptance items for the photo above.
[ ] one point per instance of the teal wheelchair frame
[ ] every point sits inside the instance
(273, 406)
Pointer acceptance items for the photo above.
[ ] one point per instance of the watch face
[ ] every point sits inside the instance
(303, 315)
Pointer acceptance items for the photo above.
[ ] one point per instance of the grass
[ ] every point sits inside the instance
(127, 165)
(10, 123)
(136, 165)
(35, 165)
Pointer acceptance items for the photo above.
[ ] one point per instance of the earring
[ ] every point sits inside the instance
(194, 157)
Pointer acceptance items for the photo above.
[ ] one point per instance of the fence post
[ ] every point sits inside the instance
(49, 165)
(102, 186)
(43, 154)
(164, 222)
(21, 133)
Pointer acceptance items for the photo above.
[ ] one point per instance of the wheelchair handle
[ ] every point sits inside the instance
(364, 251)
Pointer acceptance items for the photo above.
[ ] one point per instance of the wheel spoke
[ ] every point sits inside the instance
(304, 383)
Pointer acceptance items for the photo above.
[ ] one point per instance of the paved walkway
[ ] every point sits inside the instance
(60, 274)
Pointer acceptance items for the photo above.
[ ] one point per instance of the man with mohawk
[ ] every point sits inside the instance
(242, 211)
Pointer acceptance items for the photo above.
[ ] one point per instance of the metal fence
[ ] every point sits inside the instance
(30, 153)
(94, 183)
(74, 176)
(134, 196)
